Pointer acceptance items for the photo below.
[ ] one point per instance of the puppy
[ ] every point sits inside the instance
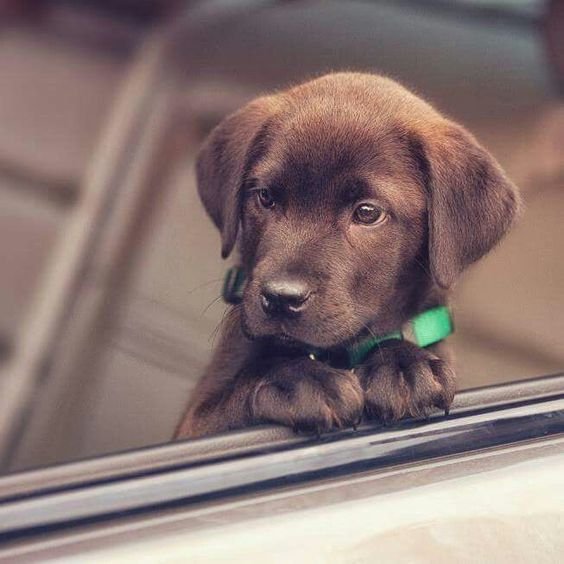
(355, 206)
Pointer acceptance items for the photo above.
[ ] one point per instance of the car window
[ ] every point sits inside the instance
(110, 302)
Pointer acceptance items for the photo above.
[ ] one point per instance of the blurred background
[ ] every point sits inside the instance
(109, 269)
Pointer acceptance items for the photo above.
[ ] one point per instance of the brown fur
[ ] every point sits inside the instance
(321, 148)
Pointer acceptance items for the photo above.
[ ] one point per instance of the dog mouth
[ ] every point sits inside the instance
(281, 334)
(283, 341)
(287, 339)
(299, 336)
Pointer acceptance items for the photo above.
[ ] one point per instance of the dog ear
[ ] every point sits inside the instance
(223, 161)
(471, 202)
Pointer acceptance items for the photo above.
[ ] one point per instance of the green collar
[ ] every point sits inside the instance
(233, 285)
(425, 329)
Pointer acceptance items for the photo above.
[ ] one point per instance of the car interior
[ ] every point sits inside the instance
(110, 293)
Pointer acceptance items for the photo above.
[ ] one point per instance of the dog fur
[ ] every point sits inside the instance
(319, 149)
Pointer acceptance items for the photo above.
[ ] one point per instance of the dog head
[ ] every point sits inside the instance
(351, 199)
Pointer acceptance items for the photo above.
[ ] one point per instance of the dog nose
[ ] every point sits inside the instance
(284, 297)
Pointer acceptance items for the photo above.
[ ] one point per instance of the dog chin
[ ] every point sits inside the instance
(291, 338)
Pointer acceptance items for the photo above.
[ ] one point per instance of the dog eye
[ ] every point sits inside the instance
(368, 214)
(265, 198)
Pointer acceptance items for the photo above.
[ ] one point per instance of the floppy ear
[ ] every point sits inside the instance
(223, 161)
(471, 203)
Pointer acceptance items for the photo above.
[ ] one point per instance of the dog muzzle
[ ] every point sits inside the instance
(424, 329)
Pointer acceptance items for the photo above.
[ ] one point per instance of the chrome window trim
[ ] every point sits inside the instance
(190, 472)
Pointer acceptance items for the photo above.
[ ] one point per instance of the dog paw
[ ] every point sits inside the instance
(404, 380)
(309, 397)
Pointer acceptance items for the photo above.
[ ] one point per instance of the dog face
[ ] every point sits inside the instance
(353, 199)
(332, 227)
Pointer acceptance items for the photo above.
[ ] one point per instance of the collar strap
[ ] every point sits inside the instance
(425, 329)
(233, 285)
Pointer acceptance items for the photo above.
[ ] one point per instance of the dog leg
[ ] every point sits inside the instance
(306, 395)
(401, 379)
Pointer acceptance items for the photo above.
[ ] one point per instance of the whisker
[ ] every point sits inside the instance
(203, 285)
(214, 301)
(369, 330)
(226, 317)
(215, 332)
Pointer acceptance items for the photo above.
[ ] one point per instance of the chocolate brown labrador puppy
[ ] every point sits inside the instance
(355, 207)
